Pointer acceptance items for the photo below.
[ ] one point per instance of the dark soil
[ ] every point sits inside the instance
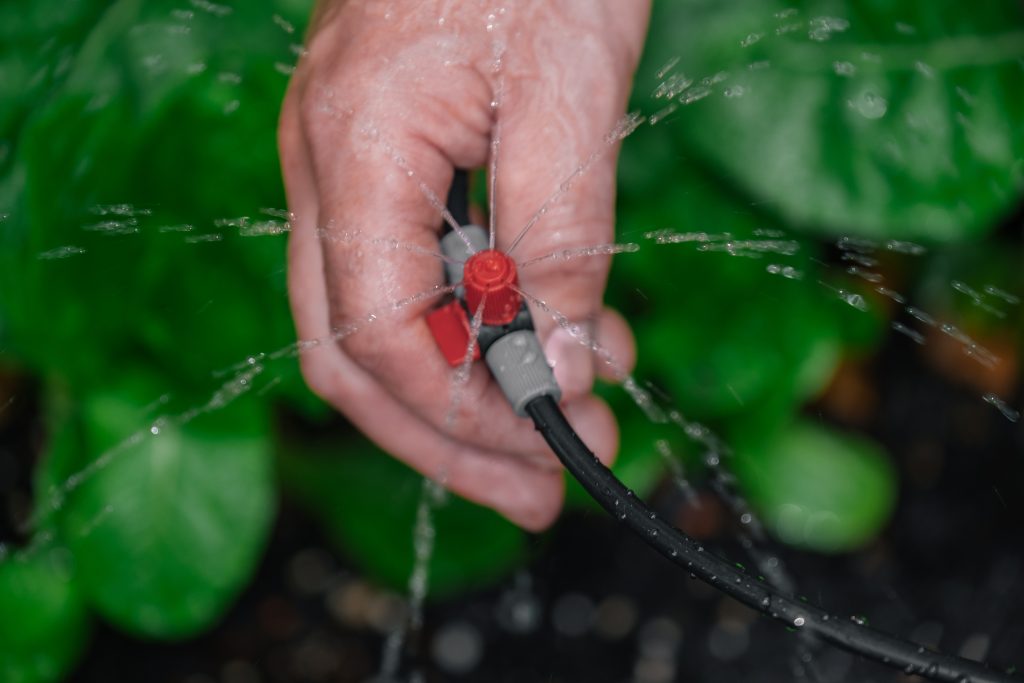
(598, 605)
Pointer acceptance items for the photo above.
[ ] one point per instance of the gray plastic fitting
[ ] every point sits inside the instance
(454, 247)
(517, 361)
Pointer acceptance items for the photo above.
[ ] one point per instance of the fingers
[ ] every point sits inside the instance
(365, 191)
(615, 335)
(523, 492)
(367, 153)
(571, 352)
(360, 196)
(526, 494)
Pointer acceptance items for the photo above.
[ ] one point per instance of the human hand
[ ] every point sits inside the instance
(407, 85)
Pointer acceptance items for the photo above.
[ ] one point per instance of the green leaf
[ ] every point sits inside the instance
(368, 502)
(884, 120)
(139, 113)
(166, 528)
(816, 488)
(718, 331)
(43, 620)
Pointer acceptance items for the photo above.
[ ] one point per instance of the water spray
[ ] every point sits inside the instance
(507, 342)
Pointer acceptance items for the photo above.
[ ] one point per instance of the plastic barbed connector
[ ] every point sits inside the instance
(518, 363)
(453, 245)
(515, 357)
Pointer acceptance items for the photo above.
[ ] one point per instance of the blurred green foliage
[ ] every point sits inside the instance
(876, 118)
(134, 138)
(169, 531)
(45, 617)
(369, 505)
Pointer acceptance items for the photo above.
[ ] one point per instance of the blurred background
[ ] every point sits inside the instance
(826, 203)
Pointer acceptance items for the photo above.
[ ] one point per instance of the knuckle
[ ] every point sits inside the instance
(316, 376)
(287, 122)
(310, 103)
(321, 102)
(571, 266)
(369, 351)
(284, 125)
(587, 267)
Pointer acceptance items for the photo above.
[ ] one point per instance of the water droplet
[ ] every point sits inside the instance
(1002, 406)
(694, 94)
(843, 68)
(1005, 296)
(853, 299)
(870, 104)
(60, 252)
(284, 24)
(751, 39)
(822, 28)
(903, 329)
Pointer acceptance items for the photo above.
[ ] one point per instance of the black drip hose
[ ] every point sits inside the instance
(623, 504)
(847, 634)
(458, 198)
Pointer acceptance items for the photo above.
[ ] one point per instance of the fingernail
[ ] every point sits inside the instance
(572, 363)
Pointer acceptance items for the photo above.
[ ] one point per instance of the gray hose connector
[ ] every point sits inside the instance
(517, 361)
(454, 247)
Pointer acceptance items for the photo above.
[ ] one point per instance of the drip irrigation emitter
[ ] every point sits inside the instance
(511, 350)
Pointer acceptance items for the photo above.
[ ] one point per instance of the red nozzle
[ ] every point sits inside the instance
(492, 274)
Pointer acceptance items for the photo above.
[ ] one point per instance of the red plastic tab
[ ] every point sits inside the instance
(450, 326)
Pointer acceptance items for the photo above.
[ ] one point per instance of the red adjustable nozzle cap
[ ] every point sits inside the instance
(491, 274)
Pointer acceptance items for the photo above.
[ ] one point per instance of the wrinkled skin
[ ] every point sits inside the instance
(387, 79)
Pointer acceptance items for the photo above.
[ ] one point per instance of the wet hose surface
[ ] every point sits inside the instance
(847, 634)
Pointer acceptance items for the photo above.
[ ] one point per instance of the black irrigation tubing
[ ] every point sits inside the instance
(753, 540)
(751, 535)
(848, 634)
(810, 620)
(458, 197)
